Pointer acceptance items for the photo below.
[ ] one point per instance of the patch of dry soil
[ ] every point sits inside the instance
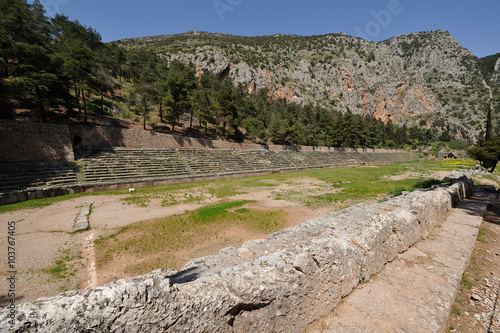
(476, 307)
(51, 259)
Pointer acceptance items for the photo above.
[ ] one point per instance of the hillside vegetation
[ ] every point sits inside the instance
(423, 78)
(331, 90)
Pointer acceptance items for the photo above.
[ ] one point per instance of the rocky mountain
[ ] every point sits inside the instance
(496, 75)
(424, 78)
(490, 66)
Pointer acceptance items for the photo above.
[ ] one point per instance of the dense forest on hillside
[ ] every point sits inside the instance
(59, 64)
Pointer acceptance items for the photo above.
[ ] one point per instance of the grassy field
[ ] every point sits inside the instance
(355, 182)
(158, 240)
(346, 184)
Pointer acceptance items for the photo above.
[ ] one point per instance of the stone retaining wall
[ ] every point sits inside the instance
(278, 284)
(99, 137)
(22, 141)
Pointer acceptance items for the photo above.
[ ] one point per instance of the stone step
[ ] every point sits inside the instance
(134, 175)
(143, 167)
(14, 185)
(148, 164)
(62, 182)
(37, 173)
(24, 180)
(122, 171)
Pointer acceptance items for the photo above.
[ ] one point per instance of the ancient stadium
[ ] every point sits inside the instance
(159, 232)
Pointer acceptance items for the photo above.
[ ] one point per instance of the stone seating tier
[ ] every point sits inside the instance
(120, 164)
(23, 175)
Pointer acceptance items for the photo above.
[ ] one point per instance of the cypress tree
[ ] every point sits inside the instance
(489, 126)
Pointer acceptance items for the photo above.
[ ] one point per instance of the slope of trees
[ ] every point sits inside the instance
(60, 64)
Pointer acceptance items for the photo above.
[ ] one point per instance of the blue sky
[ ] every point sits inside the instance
(476, 25)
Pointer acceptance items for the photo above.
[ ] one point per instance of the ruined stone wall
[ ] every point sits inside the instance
(278, 284)
(99, 137)
(22, 141)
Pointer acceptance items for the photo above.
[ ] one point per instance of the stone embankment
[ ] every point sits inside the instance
(278, 284)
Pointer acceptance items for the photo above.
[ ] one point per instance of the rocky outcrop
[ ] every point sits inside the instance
(496, 74)
(277, 284)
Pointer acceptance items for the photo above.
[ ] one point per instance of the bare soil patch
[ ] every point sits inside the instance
(477, 299)
(405, 175)
(51, 259)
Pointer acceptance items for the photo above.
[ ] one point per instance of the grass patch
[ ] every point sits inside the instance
(152, 244)
(38, 203)
(137, 200)
(288, 195)
(487, 180)
(481, 236)
(456, 310)
(421, 183)
(466, 283)
(321, 200)
(189, 198)
(223, 191)
(460, 163)
(397, 191)
(258, 184)
(210, 213)
(63, 267)
(170, 200)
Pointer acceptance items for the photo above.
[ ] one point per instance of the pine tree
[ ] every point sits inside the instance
(78, 47)
(27, 57)
(180, 84)
(489, 126)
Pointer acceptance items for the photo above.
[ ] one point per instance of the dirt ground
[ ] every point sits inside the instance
(50, 259)
(477, 298)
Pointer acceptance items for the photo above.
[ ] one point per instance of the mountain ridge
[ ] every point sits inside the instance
(424, 78)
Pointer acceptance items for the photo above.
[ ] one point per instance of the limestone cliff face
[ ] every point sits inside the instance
(414, 79)
(496, 74)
